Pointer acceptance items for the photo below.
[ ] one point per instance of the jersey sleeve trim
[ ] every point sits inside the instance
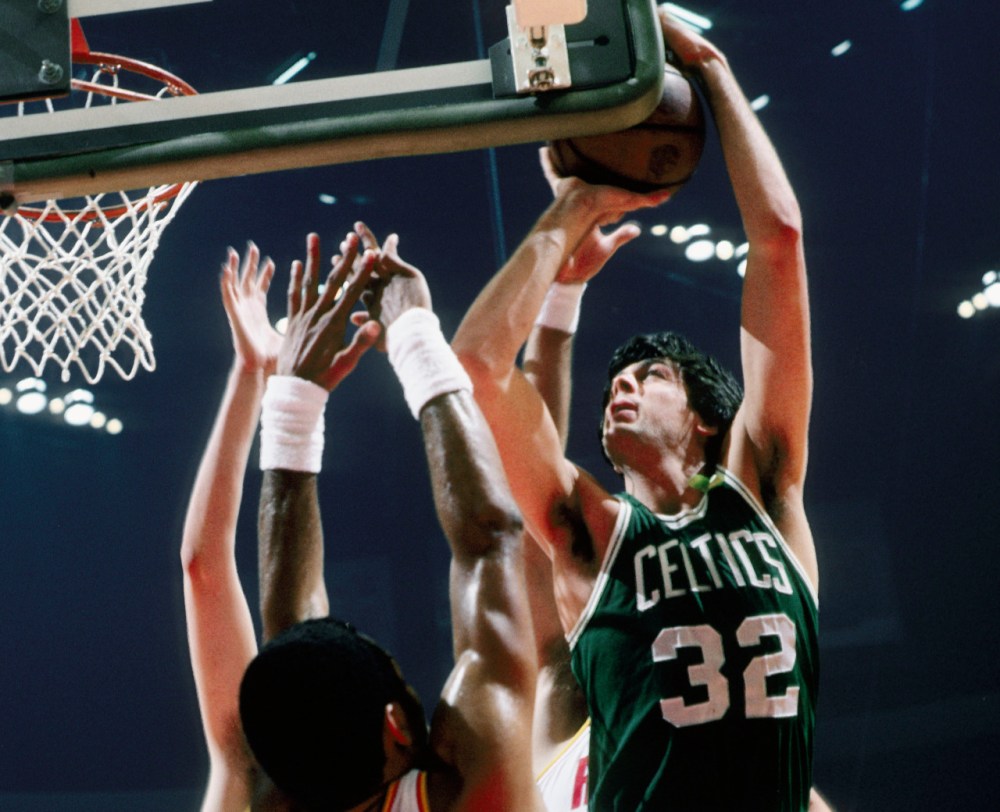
(601, 582)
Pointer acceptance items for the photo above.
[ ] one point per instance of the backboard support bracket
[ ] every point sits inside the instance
(539, 56)
(34, 49)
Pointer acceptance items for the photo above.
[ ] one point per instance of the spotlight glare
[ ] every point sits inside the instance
(32, 398)
(678, 234)
(658, 230)
(992, 294)
(31, 402)
(741, 250)
(78, 414)
(327, 199)
(57, 405)
(281, 325)
(699, 230)
(909, 5)
(114, 426)
(79, 407)
(760, 102)
(741, 269)
(700, 250)
(97, 420)
(842, 48)
(689, 17)
(990, 277)
(980, 301)
(6, 396)
(966, 309)
(724, 250)
(297, 68)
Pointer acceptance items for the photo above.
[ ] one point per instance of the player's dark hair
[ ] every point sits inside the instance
(712, 391)
(312, 706)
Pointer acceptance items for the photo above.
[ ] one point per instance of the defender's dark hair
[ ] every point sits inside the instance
(312, 706)
(712, 391)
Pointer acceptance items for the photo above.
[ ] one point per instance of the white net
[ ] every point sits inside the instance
(73, 272)
(72, 283)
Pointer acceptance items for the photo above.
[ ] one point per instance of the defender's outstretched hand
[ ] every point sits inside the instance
(244, 295)
(394, 287)
(314, 345)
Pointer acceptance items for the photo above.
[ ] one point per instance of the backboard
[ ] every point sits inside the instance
(325, 83)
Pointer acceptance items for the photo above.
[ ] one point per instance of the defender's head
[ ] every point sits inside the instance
(711, 390)
(313, 705)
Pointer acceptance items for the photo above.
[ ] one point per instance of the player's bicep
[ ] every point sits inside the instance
(542, 480)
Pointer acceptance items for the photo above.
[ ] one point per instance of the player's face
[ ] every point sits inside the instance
(648, 409)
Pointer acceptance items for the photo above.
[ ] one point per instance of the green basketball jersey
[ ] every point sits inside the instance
(698, 655)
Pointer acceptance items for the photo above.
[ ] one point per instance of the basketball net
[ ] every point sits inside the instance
(73, 272)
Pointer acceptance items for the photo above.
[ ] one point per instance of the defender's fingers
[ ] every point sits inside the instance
(367, 237)
(347, 359)
(295, 289)
(265, 276)
(356, 286)
(249, 270)
(310, 281)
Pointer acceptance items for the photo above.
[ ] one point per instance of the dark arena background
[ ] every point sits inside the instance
(885, 115)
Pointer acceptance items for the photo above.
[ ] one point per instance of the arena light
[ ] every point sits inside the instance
(986, 299)
(700, 250)
(691, 18)
(294, 69)
(31, 397)
(842, 48)
(724, 250)
(6, 396)
(760, 102)
(79, 407)
(658, 230)
(114, 426)
(909, 5)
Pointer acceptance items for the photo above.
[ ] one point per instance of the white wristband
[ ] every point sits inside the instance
(422, 360)
(291, 425)
(561, 308)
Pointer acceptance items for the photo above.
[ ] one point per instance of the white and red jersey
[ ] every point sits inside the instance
(563, 783)
(408, 794)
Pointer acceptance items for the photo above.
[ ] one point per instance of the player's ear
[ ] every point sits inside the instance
(397, 725)
(705, 430)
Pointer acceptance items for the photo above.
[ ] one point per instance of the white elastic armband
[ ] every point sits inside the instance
(561, 308)
(291, 425)
(422, 360)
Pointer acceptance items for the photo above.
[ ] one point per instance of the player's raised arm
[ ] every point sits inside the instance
(769, 436)
(560, 708)
(313, 359)
(220, 630)
(545, 485)
(482, 725)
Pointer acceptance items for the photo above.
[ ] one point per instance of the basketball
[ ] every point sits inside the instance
(661, 152)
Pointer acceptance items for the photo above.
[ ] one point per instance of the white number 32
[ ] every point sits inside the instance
(708, 672)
